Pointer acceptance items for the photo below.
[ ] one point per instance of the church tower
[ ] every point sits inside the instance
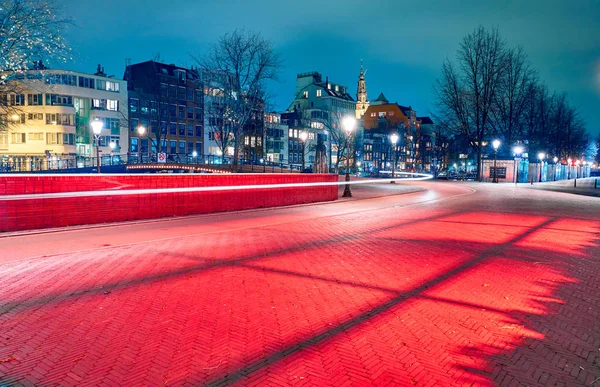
(361, 94)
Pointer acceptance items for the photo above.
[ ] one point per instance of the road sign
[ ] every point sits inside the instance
(162, 157)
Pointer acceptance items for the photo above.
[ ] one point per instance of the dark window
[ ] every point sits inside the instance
(182, 130)
(198, 131)
(190, 130)
(181, 111)
(190, 112)
(133, 105)
(172, 128)
(134, 124)
(190, 94)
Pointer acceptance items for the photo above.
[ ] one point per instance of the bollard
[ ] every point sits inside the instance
(595, 183)
(575, 183)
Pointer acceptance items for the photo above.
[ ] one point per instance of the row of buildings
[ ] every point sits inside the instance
(177, 109)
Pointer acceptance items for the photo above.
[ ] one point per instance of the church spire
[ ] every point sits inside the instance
(361, 93)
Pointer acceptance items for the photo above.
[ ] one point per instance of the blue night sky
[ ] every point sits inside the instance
(403, 43)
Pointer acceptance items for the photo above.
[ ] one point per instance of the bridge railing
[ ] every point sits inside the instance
(24, 163)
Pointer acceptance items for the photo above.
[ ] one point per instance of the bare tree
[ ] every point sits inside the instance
(30, 33)
(466, 92)
(248, 62)
(508, 112)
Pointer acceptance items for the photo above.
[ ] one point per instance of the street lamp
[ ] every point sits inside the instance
(348, 124)
(518, 151)
(303, 138)
(569, 160)
(496, 145)
(112, 145)
(141, 131)
(577, 168)
(541, 157)
(97, 129)
(394, 139)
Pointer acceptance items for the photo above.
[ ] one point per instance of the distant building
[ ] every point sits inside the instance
(168, 101)
(50, 119)
(276, 139)
(318, 108)
(414, 147)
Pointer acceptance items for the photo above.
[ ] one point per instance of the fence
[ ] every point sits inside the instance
(20, 163)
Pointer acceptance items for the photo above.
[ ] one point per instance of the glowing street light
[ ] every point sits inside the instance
(97, 126)
(496, 145)
(394, 139)
(349, 123)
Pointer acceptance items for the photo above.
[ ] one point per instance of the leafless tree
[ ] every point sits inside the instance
(30, 32)
(466, 91)
(508, 111)
(248, 61)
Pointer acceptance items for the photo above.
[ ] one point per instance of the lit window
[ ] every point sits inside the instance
(305, 94)
(319, 93)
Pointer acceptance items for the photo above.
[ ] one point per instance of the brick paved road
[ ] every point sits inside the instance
(443, 287)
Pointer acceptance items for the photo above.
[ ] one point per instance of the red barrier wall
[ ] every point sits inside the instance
(28, 214)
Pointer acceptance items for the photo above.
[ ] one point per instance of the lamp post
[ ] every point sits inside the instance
(97, 129)
(141, 131)
(555, 159)
(541, 157)
(569, 160)
(348, 124)
(518, 151)
(464, 167)
(194, 157)
(496, 145)
(303, 138)
(577, 168)
(394, 139)
(112, 145)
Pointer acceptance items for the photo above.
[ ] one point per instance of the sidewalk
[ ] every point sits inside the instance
(583, 186)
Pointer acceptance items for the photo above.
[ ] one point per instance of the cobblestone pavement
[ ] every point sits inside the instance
(460, 284)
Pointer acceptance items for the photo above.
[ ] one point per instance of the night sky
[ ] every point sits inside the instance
(403, 43)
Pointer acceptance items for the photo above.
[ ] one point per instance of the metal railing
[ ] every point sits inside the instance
(73, 163)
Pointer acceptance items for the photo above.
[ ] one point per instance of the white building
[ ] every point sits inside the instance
(318, 108)
(49, 118)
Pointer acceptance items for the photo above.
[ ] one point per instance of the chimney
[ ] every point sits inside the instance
(100, 71)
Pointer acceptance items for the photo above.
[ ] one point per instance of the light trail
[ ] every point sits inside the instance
(148, 191)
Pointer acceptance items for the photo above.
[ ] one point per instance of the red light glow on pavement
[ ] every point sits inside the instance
(447, 292)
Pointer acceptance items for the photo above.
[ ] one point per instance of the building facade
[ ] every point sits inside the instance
(276, 139)
(318, 109)
(50, 119)
(166, 111)
(380, 121)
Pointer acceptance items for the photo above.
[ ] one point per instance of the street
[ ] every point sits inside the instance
(433, 283)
